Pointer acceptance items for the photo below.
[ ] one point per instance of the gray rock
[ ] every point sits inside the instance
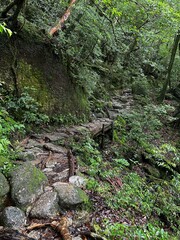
(13, 217)
(78, 181)
(35, 235)
(30, 154)
(4, 186)
(57, 136)
(4, 189)
(27, 183)
(33, 144)
(113, 113)
(77, 238)
(70, 196)
(55, 148)
(46, 206)
(99, 115)
(117, 105)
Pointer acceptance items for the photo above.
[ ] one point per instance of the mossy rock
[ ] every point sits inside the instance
(27, 184)
(69, 195)
(4, 189)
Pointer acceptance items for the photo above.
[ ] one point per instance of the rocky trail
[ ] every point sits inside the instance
(48, 184)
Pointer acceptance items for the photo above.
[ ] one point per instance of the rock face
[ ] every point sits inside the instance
(13, 217)
(4, 189)
(70, 196)
(38, 67)
(27, 184)
(46, 206)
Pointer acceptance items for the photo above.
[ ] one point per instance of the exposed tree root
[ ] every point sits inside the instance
(60, 227)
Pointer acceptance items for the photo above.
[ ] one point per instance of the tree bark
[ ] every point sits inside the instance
(13, 18)
(62, 20)
(168, 79)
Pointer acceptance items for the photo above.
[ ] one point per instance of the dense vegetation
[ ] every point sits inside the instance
(110, 45)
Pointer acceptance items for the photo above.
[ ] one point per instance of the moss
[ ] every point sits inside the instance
(27, 183)
(37, 178)
(4, 186)
(86, 205)
(31, 77)
(152, 170)
(30, 32)
(82, 195)
(83, 102)
(39, 67)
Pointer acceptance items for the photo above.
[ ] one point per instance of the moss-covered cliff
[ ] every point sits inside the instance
(27, 59)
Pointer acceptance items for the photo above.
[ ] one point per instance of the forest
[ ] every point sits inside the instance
(89, 119)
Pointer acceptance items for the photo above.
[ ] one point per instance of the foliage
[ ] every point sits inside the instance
(148, 231)
(4, 29)
(67, 119)
(103, 40)
(140, 131)
(24, 108)
(154, 199)
(110, 44)
(8, 127)
(88, 154)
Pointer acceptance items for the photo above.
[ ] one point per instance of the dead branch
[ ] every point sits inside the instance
(62, 19)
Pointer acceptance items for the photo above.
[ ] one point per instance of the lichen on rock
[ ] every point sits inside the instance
(69, 195)
(27, 183)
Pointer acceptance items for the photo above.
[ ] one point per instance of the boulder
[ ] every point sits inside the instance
(27, 183)
(46, 206)
(30, 154)
(69, 195)
(78, 181)
(13, 217)
(4, 189)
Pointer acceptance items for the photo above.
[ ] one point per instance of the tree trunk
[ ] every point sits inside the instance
(168, 79)
(19, 5)
(132, 46)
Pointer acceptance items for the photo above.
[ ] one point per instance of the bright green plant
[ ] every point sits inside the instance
(149, 231)
(8, 128)
(4, 29)
(24, 108)
(67, 119)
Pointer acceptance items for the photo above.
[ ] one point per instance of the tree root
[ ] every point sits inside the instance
(60, 227)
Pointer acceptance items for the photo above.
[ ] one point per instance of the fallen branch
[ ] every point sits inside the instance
(62, 19)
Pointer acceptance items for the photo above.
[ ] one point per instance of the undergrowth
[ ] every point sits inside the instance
(137, 176)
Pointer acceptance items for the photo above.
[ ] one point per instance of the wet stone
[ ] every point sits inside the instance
(46, 206)
(13, 217)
